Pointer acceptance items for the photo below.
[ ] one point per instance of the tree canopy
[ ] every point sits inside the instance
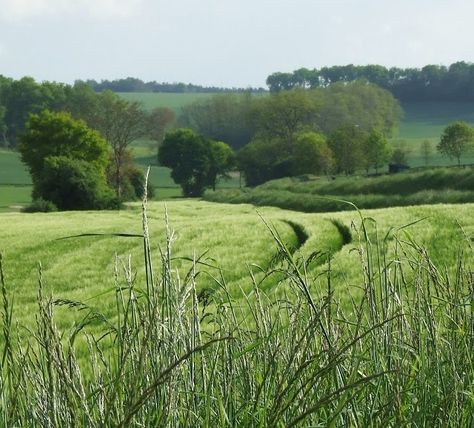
(429, 83)
(67, 161)
(195, 161)
(457, 139)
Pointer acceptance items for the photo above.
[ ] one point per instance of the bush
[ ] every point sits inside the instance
(74, 184)
(40, 205)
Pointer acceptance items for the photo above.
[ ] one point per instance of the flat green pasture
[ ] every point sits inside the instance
(12, 170)
(426, 121)
(228, 240)
(13, 197)
(151, 100)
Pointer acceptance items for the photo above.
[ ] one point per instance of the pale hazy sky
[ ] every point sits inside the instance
(225, 42)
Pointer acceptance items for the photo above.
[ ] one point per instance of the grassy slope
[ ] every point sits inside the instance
(318, 194)
(233, 236)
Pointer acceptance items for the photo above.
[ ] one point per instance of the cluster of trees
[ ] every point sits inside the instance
(429, 83)
(340, 128)
(31, 114)
(20, 98)
(132, 84)
(239, 118)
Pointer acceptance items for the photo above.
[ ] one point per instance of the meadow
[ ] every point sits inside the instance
(217, 319)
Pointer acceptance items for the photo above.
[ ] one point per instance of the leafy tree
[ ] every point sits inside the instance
(65, 158)
(346, 142)
(265, 159)
(284, 114)
(195, 161)
(376, 150)
(311, 154)
(222, 160)
(158, 122)
(456, 140)
(120, 122)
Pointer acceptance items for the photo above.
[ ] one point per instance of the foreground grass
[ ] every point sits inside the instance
(400, 355)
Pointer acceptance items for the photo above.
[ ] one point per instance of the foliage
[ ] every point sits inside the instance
(73, 184)
(67, 161)
(158, 121)
(283, 115)
(429, 83)
(194, 160)
(120, 122)
(267, 159)
(223, 117)
(58, 134)
(40, 205)
(456, 140)
(376, 150)
(346, 142)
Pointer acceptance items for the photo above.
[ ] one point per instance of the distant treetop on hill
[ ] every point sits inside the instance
(132, 84)
(430, 83)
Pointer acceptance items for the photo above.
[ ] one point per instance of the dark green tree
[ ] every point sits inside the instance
(195, 161)
(457, 139)
(57, 147)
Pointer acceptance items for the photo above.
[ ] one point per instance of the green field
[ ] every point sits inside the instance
(426, 121)
(233, 236)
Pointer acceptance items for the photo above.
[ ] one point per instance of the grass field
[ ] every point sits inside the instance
(426, 121)
(82, 268)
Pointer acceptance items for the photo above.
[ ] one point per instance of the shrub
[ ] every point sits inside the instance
(74, 184)
(40, 205)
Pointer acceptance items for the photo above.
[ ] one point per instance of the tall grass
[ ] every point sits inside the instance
(399, 356)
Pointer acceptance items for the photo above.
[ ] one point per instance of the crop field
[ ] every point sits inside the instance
(232, 238)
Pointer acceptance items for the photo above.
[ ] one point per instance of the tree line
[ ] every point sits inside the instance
(429, 83)
(132, 84)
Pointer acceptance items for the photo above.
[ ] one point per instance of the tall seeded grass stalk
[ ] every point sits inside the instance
(400, 355)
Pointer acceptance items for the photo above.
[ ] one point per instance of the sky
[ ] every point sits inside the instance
(231, 43)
